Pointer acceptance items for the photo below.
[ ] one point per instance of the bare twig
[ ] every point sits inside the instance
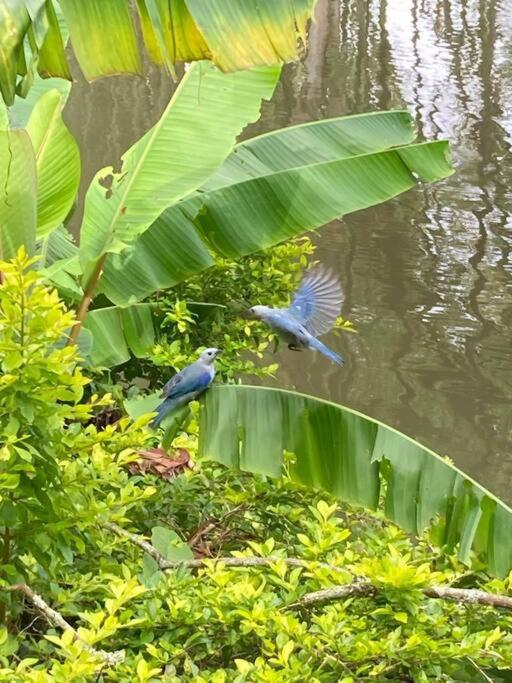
(202, 530)
(6, 551)
(468, 596)
(360, 586)
(211, 524)
(227, 561)
(356, 588)
(56, 619)
(464, 596)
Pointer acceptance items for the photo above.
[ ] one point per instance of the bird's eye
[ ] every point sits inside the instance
(210, 353)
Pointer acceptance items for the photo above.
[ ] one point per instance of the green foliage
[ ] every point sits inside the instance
(106, 41)
(63, 481)
(57, 475)
(206, 311)
(243, 624)
(228, 204)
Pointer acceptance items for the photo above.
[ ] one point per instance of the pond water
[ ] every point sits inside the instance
(427, 276)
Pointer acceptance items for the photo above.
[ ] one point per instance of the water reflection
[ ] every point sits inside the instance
(428, 276)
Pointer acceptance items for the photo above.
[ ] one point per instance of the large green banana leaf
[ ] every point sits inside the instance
(235, 34)
(39, 168)
(359, 460)
(18, 192)
(195, 134)
(57, 159)
(257, 213)
(119, 333)
(272, 188)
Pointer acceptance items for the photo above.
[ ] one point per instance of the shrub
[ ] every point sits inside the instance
(64, 486)
(57, 476)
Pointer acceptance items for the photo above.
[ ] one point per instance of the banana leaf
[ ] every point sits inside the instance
(359, 460)
(20, 111)
(275, 187)
(103, 36)
(119, 333)
(235, 34)
(59, 263)
(242, 34)
(14, 24)
(18, 191)
(194, 135)
(57, 160)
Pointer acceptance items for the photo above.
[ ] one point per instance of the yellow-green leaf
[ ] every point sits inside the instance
(57, 159)
(14, 23)
(170, 33)
(103, 36)
(194, 135)
(18, 191)
(242, 34)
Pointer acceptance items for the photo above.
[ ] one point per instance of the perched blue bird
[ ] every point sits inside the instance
(313, 311)
(186, 385)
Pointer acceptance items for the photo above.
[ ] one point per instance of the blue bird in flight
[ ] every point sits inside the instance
(313, 311)
(186, 385)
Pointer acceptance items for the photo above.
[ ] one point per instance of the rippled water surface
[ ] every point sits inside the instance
(427, 276)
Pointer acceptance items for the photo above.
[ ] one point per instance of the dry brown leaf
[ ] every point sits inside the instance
(160, 463)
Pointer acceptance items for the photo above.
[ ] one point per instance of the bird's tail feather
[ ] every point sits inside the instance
(332, 355)
(162, 411)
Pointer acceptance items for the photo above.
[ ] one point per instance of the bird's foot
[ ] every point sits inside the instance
(293, 347)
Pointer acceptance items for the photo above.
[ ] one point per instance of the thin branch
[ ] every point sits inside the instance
(360, 587)
(463, 596)
(86, 300)
(468, 596)
(356, 588)
(6, 551)
(165, 564)
(56, 619)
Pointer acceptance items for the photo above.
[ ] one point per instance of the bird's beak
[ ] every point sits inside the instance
(219, 353)
(245, 315)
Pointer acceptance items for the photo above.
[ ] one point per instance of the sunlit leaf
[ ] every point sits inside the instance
(195, 134)
(18, 191)
(57, 159)
(170, 33)
(14, 23)
(274, 187)
(103, 36)
(52, 58)
(241, 34)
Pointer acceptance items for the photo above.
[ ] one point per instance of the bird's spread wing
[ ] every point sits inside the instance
(317, 302)
(189, 380)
